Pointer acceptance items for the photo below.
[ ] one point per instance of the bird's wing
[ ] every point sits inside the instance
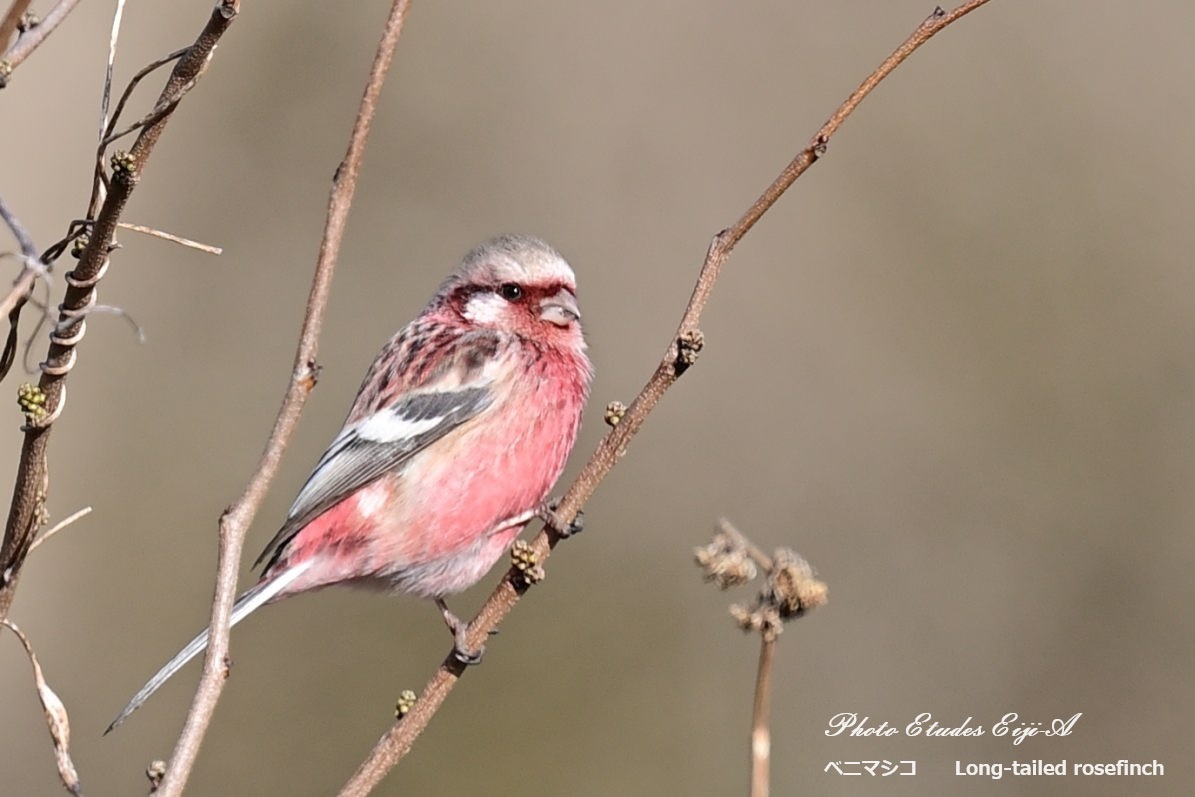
(378, 443)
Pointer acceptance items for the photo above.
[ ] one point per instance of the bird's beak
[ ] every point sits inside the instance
(560, 308)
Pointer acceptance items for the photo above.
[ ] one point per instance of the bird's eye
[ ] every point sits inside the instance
(510, 291)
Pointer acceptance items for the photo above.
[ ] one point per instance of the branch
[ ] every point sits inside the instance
(761, 734)
(32, 268)
(790, 590)
(28, 249)
(236, 519)
(681, 352)
(48, 399)
(32, 39)
(12, 20)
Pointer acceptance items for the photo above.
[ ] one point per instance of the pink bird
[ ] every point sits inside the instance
(458, 432)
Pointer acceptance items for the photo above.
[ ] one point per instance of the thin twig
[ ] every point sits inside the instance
(166, 236)
(33, 268)
(397, 741)
(99, 182)
(119, 312)
(28, 249)
(99, 187)
(59, 526)
(761, 735)
(236, 519)
(21, 288)
(754, 551)
(26, 44)
(113, 38)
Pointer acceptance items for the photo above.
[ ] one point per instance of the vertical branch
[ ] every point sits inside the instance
(761, 734)
(235, 521)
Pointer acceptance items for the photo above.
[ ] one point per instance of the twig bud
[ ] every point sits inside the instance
(525, 560)
(406, 702)
(614, 412)
(688, 346)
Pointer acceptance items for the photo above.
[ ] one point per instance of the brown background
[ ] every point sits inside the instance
(953, 368)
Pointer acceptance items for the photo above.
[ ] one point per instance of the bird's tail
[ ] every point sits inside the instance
(252, 599)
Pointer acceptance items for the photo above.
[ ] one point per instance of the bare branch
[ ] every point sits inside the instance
(12, 19)
(56, 718)
(679, 355)
(99, 183)
(165, 236)
(31, 40)
(790, 590)
(59, 526)
(32, 476)
(236, 519)
(113, 38)
(18, 230)
(33, 268)
(761, 734)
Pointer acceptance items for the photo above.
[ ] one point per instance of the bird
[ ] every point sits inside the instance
(460, 428)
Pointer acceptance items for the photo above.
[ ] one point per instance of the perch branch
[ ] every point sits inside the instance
(398, 740)
(235, 521)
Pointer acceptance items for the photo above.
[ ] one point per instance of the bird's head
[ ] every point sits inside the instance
(519, 285)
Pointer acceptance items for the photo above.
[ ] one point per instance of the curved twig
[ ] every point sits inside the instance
(236, 519)
(682, 349)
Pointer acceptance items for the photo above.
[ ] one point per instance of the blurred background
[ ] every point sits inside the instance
(952, 368)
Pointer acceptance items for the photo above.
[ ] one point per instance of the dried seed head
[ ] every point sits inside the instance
(724, 562)
(792, 587)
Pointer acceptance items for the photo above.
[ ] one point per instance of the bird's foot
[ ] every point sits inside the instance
(461, 649)
(547, 513)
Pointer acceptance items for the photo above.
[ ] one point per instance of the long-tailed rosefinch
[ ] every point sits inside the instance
(457, 434)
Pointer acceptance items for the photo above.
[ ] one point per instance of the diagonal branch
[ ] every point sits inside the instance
(12, 20)
(30, 41)
(236, 519)
(681, 352)
(27, 508)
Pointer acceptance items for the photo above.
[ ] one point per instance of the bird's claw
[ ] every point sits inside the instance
(547, 513)
(461, 649)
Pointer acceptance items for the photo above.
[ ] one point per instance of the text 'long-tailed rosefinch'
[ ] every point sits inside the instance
(457, 434)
